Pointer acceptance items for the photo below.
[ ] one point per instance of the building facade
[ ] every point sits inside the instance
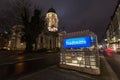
(113, 30)
(49, 38)
(15, 38)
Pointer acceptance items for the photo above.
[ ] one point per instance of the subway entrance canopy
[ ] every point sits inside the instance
(79, 52)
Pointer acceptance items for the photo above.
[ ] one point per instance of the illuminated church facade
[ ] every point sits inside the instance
(49, 38)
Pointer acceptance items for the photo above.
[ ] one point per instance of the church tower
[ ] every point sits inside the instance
(49, 38)
(52, 20)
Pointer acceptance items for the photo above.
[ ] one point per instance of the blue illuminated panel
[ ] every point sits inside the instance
(93, 39)
(77, 42)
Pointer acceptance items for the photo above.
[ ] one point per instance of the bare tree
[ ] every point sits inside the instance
(21, 13)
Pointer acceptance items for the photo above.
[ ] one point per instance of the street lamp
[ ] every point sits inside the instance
(105, 39)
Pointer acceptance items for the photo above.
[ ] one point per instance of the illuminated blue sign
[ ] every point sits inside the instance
(93, 39)
(77, 42)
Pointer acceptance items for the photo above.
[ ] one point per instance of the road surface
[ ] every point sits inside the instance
(114, 61)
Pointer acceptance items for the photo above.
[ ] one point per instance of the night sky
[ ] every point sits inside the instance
(75, 15)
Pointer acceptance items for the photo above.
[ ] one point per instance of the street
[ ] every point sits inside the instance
(28, 65)
(13, 71)
(114, 62)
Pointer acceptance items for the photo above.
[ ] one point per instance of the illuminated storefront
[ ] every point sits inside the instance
(80, 53)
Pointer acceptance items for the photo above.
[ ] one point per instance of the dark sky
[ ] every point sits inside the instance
(76, 15)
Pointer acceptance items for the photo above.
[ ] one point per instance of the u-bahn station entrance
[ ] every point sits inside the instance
(79, 52)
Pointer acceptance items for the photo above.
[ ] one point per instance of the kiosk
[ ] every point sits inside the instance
(79, 52)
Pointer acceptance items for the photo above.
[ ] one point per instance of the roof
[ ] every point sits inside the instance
(51, 10)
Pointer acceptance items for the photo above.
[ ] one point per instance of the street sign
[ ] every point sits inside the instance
(77, 42)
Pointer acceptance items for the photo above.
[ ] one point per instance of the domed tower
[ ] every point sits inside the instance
(52, 20)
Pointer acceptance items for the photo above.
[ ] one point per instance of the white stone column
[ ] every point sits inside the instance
(59, 41)
(48, 42)
(44, 41)
(56, 41)
(52, 42)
